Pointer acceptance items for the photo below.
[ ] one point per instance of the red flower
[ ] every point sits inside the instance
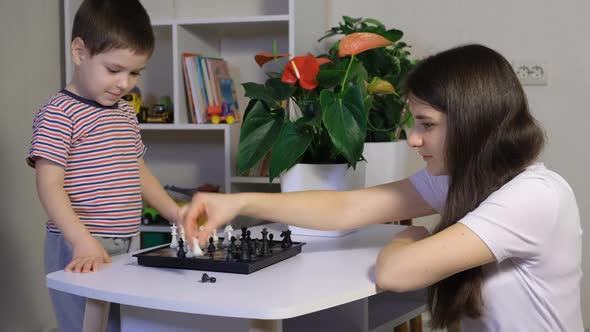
(262, 58)
(303, 69)
(359, 42)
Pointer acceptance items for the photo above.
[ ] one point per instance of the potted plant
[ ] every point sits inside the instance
(387, 115)
(326, 122)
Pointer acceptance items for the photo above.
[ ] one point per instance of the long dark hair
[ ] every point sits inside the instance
(491, 138)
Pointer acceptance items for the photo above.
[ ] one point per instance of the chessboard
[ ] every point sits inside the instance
(243, 256)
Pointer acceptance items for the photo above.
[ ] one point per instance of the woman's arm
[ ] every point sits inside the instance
(156, 196)
(87, 253)
(414, 260)
(326, 210)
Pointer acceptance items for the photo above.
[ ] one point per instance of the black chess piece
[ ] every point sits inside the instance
(271, 242)
(264, 246)
(288, 237)
(211, 247)
(244, 230)
(244, 250)
(233, 248)
(206, 278)
(181, 253)
(256, 246)
(286, 242)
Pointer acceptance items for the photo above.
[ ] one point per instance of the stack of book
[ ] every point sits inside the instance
(209, 88)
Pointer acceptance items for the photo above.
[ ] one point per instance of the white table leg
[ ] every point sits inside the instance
(96, 315)
(259, 325)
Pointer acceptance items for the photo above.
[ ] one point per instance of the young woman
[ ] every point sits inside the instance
(506, 255)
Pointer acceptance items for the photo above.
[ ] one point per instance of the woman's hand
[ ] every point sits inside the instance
(217, 209)
(411, 234)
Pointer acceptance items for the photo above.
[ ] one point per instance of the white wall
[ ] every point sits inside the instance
(552, 32)
(30, 71)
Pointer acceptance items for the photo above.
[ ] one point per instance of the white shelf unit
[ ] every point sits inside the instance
(186, 154)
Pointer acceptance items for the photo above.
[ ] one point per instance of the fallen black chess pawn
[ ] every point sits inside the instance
(206, 278)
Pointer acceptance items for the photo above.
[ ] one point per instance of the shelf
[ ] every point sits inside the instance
(253, 179)
(183, 126)
(155, 228)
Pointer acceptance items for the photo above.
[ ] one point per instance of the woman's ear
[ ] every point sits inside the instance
(79, 51)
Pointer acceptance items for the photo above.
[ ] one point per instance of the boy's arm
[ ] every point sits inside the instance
(87, 253)
(156, 196)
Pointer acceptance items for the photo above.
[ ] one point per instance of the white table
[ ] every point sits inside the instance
(330, 285)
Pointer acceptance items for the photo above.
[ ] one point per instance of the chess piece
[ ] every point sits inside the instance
(206, 278)
(214, 235)
(174, 241)
(228, 235)
(196, 248)
(181, 231)
(286, 242)
(244, 250)
(264, 246)
(271, 242)
(189, 252)
(180, 253)
(256, 250)
(211, 247)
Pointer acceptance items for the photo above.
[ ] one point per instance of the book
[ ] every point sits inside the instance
(197, 97)
(223, 85)
(186, 59)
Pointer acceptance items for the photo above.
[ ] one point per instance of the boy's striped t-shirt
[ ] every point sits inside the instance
(98, 147)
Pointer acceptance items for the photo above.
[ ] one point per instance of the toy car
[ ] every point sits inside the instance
(221, 113)
(150, 216)
(135, 100)
(161, 112)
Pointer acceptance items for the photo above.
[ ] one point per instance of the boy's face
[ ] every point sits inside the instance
(107, 76)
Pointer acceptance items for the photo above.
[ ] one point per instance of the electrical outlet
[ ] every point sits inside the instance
(530, 72)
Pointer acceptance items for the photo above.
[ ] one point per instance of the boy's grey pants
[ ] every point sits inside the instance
(68, 308)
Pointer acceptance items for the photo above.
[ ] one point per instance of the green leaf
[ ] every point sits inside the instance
(330, 76)
(393, 35)
(374, 22)
(346, 122)
(288, 149)
(260, 130)
(351, 21)
(273, 92)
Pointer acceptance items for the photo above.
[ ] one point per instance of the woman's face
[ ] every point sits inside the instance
(429, 135)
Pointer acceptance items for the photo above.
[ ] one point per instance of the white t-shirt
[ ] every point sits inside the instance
(532, 226)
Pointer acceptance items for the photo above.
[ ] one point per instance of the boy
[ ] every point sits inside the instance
(87, 150)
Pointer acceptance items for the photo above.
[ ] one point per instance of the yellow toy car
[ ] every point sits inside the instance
(135, 100)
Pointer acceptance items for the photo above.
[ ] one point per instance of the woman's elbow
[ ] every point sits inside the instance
(389, 278)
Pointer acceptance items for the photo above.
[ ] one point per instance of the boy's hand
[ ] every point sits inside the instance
(88, 254)
(219, 209)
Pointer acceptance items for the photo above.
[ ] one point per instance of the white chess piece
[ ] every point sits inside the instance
(189, 252)
(197, 251)
(174, 242)
(228, 229)
(181, 228)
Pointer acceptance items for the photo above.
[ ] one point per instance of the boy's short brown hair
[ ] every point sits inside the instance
(104, 25)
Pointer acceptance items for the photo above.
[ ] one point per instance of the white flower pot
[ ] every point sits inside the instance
(302, 177)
